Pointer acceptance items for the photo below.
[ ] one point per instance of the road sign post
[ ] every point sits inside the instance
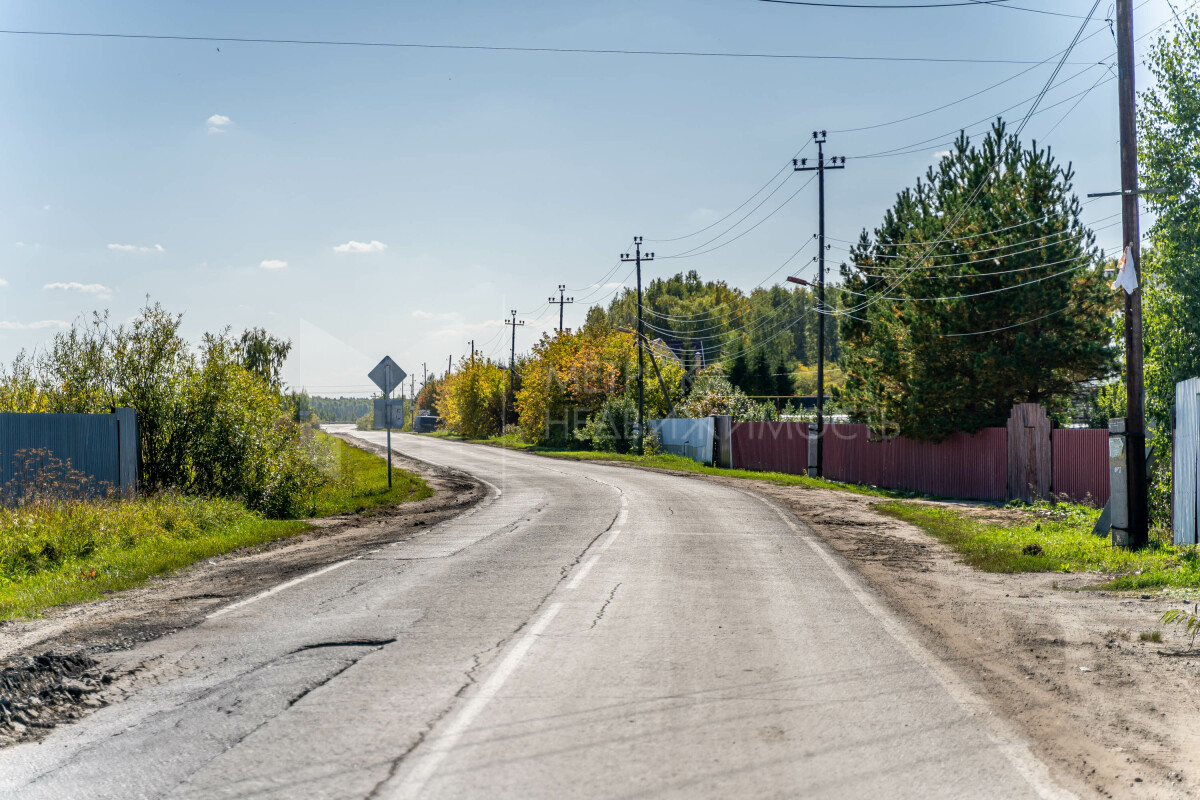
(387, 375)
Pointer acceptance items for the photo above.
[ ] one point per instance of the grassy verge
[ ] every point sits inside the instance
(1046, 538)
(57, 552)
(678, 464)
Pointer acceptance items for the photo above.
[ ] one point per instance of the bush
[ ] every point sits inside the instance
(366, 422)
(612, 428)
(214, 424)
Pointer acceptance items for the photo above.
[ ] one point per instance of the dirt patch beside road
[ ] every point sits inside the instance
(1113, 716)
(33, 652)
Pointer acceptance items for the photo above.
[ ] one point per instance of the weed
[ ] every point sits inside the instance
(1150, 636)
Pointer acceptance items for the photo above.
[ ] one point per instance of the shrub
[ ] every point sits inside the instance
(612, 428)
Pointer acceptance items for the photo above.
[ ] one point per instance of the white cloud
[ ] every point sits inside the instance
(419, 314)
(218, 123)
(360, 247)
(940, 154)
(5, 325)
(46, 207)
(273, 263)
(98, 289)
(133, 248)
(3, 282)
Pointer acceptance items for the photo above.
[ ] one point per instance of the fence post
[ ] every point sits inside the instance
(1030, 454)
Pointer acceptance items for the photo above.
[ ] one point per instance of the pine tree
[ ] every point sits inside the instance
(739, 373)
(1010, 306)
(761, 382)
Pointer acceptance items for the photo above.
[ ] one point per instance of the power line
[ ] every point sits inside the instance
(946, 230)
(902, 6)
(692, 254)
(1005, 328)
(511, 48)
(744, 203)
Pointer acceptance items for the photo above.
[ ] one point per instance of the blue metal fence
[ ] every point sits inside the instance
(103, 447)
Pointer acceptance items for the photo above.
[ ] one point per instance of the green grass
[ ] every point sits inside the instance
(1052, 538)
(59, 552)
(676, 463)
(363, 483)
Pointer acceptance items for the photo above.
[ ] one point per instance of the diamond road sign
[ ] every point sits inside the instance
(387, 379)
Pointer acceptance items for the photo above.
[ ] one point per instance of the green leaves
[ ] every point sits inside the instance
(1008, 306)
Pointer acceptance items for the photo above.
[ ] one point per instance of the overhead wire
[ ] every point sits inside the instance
(507, 48)
(744, 203)
(949, 227)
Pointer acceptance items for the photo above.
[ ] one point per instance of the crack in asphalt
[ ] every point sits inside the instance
(478, 658)
(603, 608)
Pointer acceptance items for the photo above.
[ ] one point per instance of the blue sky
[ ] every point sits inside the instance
(363, 201)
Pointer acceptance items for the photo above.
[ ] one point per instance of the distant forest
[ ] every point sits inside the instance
(340, 409)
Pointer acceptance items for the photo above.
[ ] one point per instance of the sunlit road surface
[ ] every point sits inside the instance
(588, 631)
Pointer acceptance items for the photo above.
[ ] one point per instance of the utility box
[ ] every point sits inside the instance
(1118, 479)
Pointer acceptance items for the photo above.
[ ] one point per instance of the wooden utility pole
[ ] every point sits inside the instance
(641, 336)
(560, 302)
(802, 166)
(1138, 533)
(512, 361)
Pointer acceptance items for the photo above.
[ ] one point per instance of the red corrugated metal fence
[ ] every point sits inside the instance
(961, 466)
(1080, 468)
(771, 446)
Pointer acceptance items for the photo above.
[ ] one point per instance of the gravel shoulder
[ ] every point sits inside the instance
(52, 667)
(1111, 715)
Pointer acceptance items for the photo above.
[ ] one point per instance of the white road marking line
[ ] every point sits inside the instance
(583, 571)
(279, 588)
(612, 537)
(440, 746)
(1010, 742)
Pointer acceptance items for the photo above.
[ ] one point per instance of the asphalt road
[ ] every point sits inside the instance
(588, 631)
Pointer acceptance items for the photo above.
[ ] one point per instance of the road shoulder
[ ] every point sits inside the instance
(58, 657)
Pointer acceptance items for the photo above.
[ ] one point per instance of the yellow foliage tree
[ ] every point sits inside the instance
(570, 375)
(472, 400)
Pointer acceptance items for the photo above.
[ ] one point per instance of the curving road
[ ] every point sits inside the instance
(588, 631)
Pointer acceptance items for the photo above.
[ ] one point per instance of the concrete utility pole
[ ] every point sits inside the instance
(560, 302)
(641, 335)
(449, 365)
(512, 360)
(802, 166)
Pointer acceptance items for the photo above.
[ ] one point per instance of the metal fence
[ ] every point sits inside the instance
(103, 447)
(1080, 464)
(967, 466)
(690, 438)
(1187, 461)
(771, 446)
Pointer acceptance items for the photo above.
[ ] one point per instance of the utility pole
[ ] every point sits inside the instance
(512, 360)
(1137, 535)
(449, 364)
(472, 349)
(560, 302)
(641, 335)
(802, 166)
